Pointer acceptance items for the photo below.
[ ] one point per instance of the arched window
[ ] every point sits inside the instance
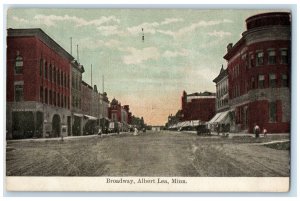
(19, 64)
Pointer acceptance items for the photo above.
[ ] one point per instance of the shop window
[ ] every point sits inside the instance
(272, 111)
(284, 56)
(284, 80)
(272, 57)
(261, 81)
(19, 64)
(272, 80)
(259, 58)
(19, 95)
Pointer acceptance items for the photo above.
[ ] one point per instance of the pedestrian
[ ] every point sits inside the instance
(256, 131)
(135, 131)
(265, 132)
(218, 128)
(99, 131)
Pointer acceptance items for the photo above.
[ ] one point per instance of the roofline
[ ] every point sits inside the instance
(37, 32)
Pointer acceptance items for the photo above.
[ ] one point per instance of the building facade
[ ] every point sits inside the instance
(38, 85)
(259, 73)
(76, 111)
(222, 118)
(198, 106)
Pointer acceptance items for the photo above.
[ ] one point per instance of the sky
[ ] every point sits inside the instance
(183, 49)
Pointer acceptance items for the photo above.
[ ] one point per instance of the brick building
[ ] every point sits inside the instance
(259, 72)
(38, 85)
(198, 106)
(222, 100)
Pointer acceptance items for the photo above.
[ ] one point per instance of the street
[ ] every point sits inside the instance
(162, 153)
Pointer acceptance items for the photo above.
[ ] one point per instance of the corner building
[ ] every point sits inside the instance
(38, 89)
(259, 74)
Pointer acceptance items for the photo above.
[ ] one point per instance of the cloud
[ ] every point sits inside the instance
(110, 30)
(192, 27)
(138, 56)
(183, 52)
(89, 43)
(219, 34)
(20, 20)
(51, 20)
(148, 28)
(171, 20)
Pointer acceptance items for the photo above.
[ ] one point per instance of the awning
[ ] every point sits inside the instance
(214, 118)
(78, 115)
(90, 117)
(219, 117)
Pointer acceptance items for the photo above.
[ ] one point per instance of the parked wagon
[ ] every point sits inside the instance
(203, 130)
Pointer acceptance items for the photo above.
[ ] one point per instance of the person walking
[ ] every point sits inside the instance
(135, 131)
(256, 131)
(265, 132)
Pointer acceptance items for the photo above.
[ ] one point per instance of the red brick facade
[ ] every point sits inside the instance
(259, 72)
(198, 106)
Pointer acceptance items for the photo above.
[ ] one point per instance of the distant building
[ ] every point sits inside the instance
(115, 111)
(259, 74)
(198, 106)
(76, 97)
(38, 85)
(222, 100)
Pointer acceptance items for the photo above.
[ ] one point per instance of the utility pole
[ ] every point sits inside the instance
(92, 75)
(77, 54)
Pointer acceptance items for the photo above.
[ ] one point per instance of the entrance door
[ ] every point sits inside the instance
(56, 124)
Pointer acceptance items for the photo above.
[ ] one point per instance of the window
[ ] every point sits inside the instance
(272, 80)
(259, 58)
(54, 98)
(272, 57)
(284, 56)
(54, 75)
(50, 97)
(41, 67)
(261, 81)
(252, 83)
(252, 64)
(284, 80)
(19, 93)
(41, 94)
(46, 96)
(50, 72)
(19, 65)
(46, 71)
(272, 111)
(58, 100)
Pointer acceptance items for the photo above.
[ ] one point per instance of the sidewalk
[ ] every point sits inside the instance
(67, 137)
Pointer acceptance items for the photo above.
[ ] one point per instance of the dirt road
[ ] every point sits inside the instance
(152, 154)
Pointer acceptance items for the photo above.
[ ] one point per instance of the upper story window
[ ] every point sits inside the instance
(41, 67)
(284, 56)
(19, 64)
(50, 72)
(261, 81)
(252, 61)
(19, 95)
(46, 70)
(272, 80)
(252, 83)
(272, 57)
(284, 81)
(259, 58)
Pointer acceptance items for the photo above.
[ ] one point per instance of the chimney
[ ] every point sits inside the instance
(229, 46)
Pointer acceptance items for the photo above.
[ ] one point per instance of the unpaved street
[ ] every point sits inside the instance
(148, 154)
